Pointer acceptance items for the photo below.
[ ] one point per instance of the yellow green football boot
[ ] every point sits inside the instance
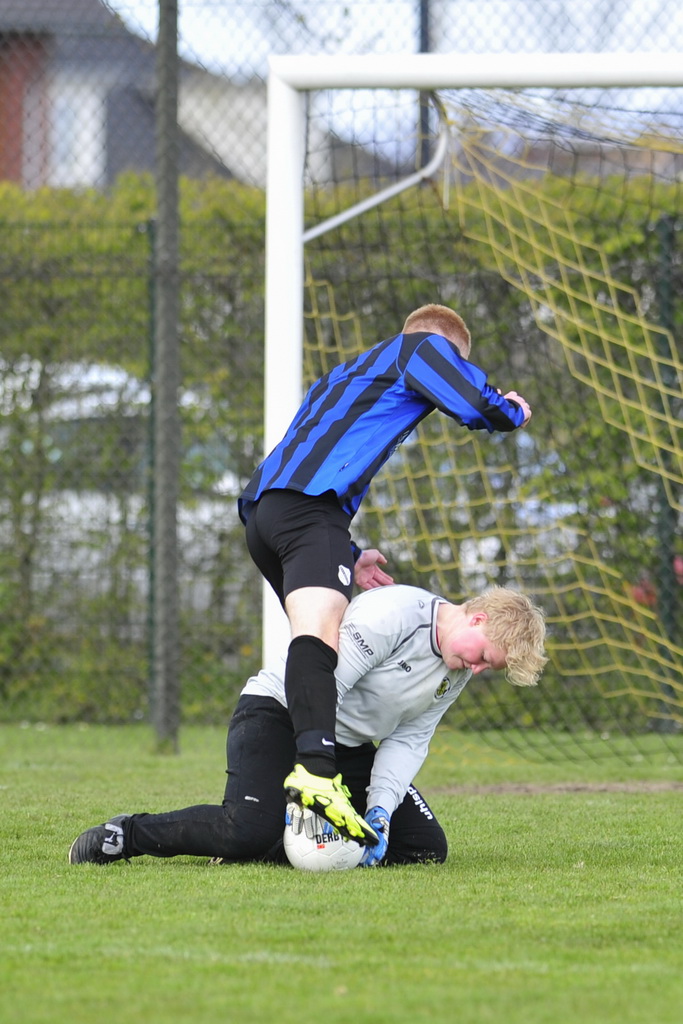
(331, 799)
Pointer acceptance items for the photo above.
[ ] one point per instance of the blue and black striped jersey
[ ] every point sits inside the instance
(353, 417)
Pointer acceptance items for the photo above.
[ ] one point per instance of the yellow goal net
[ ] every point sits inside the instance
(553, 227)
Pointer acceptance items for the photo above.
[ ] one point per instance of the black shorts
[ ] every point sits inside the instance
(301, 540)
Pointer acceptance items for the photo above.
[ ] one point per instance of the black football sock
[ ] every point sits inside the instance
(311, 693)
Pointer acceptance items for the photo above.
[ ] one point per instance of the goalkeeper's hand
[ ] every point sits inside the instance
(378, 818)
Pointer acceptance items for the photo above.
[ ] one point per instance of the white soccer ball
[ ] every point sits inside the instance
(312, 844)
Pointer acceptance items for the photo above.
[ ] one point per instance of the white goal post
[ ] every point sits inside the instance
(289, 79)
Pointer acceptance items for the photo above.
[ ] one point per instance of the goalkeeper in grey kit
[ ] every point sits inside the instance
(405, 655)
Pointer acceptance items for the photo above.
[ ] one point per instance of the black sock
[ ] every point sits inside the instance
(311, 693)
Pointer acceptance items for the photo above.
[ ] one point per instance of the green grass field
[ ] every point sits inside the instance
(558, 903)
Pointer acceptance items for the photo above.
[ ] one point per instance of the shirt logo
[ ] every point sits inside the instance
(362, 645)
(406, 668)
(344, 575)
(443, 688)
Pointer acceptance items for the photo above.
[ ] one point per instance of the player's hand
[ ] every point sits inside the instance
(367, 572)
(378, 818)
(522, 403)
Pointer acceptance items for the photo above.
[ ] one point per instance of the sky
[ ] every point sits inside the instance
(230, 37)
(225, 34)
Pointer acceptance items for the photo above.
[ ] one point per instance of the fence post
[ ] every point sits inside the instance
(166, 382)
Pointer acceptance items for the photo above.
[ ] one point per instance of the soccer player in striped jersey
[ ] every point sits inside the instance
(405, 656)
(299, 504)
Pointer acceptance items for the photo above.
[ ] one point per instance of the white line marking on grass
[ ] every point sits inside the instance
(260, 956)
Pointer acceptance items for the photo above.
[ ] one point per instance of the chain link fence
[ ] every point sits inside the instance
(78, 199)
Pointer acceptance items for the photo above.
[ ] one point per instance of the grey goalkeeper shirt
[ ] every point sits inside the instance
(392, 684)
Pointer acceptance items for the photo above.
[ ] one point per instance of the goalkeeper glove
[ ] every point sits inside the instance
(378, 818)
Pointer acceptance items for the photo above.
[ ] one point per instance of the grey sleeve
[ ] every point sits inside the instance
(399, 758)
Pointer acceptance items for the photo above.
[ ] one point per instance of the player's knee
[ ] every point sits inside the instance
(432, 849)
(435, 853)
(252, 835)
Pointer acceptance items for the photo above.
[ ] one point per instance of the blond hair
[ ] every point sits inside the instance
(441, 320)
(517, 626)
